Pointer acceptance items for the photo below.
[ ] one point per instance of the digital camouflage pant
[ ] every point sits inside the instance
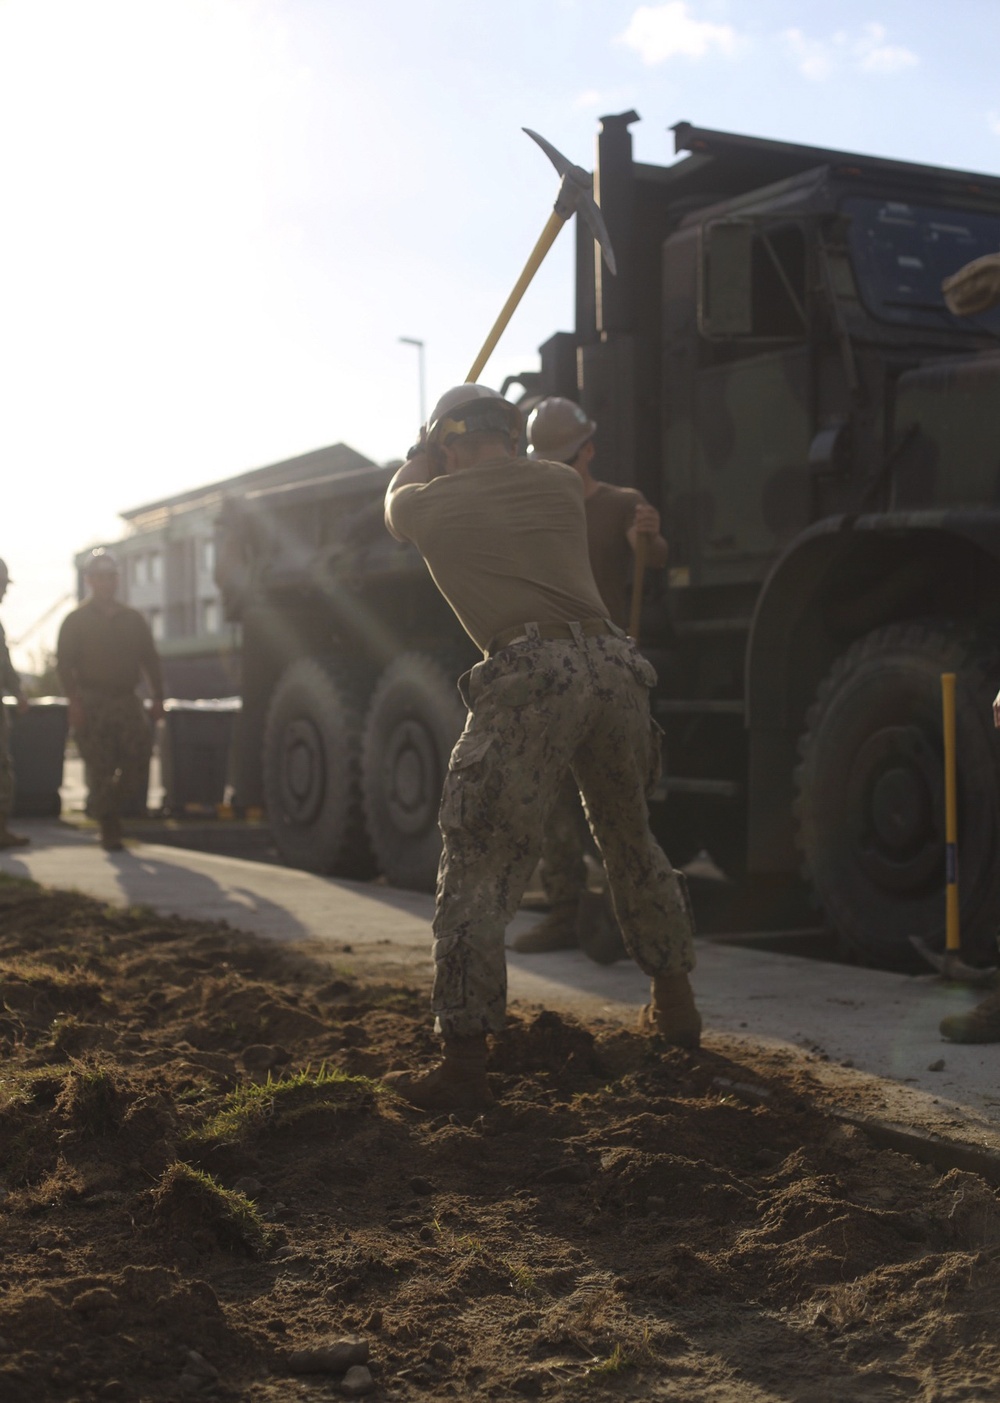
(538, 708)
(564, 842)
(6, 769)
(115, 743)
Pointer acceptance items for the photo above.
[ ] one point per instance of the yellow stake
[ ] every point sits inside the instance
(535, 260)
(953, 939)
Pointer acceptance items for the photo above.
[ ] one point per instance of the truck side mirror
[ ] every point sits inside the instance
(725, 293)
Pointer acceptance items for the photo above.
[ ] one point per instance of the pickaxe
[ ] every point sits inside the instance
(574, 197)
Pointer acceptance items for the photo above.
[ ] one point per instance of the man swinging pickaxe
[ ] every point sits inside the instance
(574, 197)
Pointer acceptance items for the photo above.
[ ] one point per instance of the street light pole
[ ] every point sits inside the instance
(413, 341)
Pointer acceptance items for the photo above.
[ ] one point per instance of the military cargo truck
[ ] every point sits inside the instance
(775, 368)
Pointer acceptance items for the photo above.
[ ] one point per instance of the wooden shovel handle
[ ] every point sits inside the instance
(638, 573)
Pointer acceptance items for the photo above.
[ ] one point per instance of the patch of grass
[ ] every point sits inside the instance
(395, 999)
(521, 1277)
(188, 1200)
(59, 1185)
(843, 1307)
(93, 1098)
(9, 883)
(27, 1135)
(139, 911)
(30, 1086)
(43, 973)
(67, 1033)
(277, 1105)
(615, 1363)
(625, 1356)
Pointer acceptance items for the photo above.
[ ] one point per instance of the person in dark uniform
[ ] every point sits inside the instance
(10, 684)
(104, 650)
(560, 432)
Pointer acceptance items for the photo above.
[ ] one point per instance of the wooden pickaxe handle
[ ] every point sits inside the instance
(535, 259)
(575, 197)
(638, 574)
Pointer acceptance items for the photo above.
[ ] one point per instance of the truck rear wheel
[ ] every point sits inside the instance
(870, 803)
(415, 717)
(311, 773)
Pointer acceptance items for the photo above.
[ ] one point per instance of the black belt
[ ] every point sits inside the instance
(586, 628)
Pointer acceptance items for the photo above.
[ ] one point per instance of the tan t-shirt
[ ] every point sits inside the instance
(610, 513)
(505, 542)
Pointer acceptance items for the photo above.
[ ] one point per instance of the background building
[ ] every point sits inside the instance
(167, 562)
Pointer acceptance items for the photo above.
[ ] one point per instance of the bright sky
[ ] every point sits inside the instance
(219, 216)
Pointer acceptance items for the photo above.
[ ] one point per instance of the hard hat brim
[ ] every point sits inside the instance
(566, 451)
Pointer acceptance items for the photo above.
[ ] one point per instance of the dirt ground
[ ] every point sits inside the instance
(201, 1176)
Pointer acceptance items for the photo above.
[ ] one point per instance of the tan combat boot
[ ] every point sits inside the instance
(980, 1025)
(556, 931)
(111, 835)
(11, 840)
(457, 1084)
(672, 1013)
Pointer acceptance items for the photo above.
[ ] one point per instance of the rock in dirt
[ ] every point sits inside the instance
(333, 1358)
(357, 1382)
(198, 1375)
(248, 1186)
(197, 1364)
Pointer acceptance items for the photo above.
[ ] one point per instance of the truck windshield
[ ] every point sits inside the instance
(902, 253)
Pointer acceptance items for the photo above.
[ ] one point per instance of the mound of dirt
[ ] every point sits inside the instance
(203, 1184)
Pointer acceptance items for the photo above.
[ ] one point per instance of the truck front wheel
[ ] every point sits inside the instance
(311, 773)
(870, 793)
(414, 720)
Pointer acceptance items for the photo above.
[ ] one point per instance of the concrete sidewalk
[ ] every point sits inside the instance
(877, 1023)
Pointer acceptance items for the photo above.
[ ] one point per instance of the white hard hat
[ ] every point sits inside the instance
(558, 429)
(472, 409)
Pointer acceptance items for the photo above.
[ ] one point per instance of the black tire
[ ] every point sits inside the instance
(870, 794)
(415, 717)
(311, 773)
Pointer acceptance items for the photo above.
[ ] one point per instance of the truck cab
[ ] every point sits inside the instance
(777, 370)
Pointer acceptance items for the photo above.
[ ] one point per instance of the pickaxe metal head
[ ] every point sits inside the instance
(576, 196)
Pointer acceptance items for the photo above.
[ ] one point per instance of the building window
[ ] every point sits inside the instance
(138, 569)
(155, 619)
(156, 568)
(210, 617)
(207, 556)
